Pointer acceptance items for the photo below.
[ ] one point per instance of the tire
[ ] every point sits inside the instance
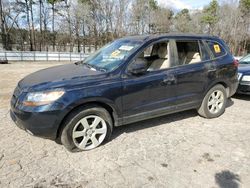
(214, 103)
(86, 129)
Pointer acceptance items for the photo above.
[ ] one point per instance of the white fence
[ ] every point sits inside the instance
(41, 56)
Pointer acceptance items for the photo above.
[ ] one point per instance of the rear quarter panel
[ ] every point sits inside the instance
(226, 73)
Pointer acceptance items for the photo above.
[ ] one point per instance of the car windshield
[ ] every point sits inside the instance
(245, 60)
(112, 55)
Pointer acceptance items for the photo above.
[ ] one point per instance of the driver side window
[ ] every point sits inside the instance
(156, 56)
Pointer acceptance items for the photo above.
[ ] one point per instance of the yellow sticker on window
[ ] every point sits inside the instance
(217, 48)
(115, 53)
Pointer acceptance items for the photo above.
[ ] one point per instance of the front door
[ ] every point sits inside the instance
(152, 93)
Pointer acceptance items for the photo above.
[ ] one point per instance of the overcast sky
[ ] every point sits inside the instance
(181, 4)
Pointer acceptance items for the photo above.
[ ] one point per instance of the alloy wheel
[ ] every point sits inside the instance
(215, 102)
(89, 132)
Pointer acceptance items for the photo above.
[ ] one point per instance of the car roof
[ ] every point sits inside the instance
(169, 35)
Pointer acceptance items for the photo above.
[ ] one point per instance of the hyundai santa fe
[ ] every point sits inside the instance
(128, 80)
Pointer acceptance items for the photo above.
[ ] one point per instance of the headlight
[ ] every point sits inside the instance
(239, 76)
(42, 98)
(246, 78)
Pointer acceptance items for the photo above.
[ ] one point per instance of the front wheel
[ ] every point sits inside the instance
(214, 103)
(86, 129)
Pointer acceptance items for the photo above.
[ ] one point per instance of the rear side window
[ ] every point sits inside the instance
(216, 49)
(188, 52)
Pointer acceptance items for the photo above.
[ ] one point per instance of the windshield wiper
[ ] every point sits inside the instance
(95, 67)
(102, 69)
(90, 66)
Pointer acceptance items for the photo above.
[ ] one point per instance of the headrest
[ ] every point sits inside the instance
(163, 51)
(193, 55)
(196, 55)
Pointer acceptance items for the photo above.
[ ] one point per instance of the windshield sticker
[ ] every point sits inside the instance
(217, 48)
(115, 53)
(126, 48)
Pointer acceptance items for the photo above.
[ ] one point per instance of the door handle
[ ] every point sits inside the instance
(170, 79)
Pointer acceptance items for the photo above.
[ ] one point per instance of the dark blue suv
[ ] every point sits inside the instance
(128, 80)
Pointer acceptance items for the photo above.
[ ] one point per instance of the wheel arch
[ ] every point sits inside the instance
(110, 108)
(223, 83)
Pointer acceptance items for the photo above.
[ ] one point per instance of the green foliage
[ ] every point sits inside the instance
(53, 1)
(211, 13)
(171, 14)
(153, 4)
(245, 6)
(183, 14)
(182, 21)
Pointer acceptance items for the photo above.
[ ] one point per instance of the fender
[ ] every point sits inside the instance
(223, 82)
(106, 103)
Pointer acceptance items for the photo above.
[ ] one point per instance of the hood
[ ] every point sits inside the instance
(57, 76)
(244, 68)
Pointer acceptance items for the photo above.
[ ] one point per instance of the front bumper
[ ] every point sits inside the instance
(244, 88)
(42, 124)
(42, 121)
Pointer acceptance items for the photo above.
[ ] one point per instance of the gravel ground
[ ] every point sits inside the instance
(179, 150)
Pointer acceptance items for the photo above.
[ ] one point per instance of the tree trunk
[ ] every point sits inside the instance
(95, 36)
(32, 24)
(78, 37)
(53, 25)
(41, 25)
(244, 47)
(3, 29)
(45, 33)
(84, 35)
(70, 31)
(29, 27)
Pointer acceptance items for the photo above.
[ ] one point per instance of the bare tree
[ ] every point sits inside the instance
(53, 3)
(82, 23)
(8, 20)
(182, 21)
(26, 8)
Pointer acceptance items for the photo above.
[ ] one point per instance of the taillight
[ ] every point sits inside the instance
(236, 63)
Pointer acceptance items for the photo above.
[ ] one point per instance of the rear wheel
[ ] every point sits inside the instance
(86, 129)
(214, 103)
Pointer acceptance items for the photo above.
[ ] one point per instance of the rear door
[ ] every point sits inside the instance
(192, 62)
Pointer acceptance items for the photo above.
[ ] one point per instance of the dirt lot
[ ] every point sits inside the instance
(179, 150)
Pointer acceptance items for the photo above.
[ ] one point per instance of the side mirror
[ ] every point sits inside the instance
(139, 66)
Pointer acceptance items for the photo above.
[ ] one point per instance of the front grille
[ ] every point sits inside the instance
(244, 88)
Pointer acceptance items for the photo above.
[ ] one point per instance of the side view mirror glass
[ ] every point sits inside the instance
(139, 66)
